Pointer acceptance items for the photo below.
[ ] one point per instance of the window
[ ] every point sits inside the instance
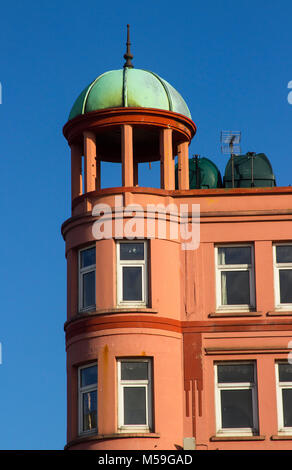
(87, 395)
(236, 398)
(132, 273)
(134, 395)
(283, 276)
(235, 277)
(284, 396)
(87, 279)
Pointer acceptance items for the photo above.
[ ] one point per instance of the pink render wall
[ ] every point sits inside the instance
(182, 294)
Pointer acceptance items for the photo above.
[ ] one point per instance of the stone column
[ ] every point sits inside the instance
(166, 159)
(127, 155)
(89, 162)
(76, 170)
(98, 177)
(135, 174)
(183, 166)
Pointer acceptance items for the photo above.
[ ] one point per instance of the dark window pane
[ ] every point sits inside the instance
(284, 254)
(89, 410)
(236, 407)
(134, 370)
(132, 283)
(88, 289)
(134, 405)
(131, 251)
(234, 255)
(233, 373)
(287, 406)
(285, 372)
(235, 288)
(285, 286)
(87, 257)
(88, 376)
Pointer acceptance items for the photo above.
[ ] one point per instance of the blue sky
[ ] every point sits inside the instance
(230, 60)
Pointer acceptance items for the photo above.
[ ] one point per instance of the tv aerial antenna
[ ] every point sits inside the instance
(230, 145)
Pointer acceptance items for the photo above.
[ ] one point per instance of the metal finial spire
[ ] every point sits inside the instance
(128, 56)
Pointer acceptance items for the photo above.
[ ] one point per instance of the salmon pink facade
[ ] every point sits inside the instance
(174, 339)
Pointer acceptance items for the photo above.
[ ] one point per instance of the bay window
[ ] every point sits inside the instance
(87, 265)
(87, 397)
(134, 395)
(132, 273)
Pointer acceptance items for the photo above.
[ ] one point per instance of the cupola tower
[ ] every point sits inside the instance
(123, 342)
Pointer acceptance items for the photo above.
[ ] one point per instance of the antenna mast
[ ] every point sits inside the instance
(230, 145)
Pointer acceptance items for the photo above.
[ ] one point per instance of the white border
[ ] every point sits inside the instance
(81, 391)
(143, 264)
(235, 386)
(280, 412)
(147, 384)
(277, 267)
(81, 272)
(235, 267)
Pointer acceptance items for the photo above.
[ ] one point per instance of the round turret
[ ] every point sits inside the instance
(128, 116)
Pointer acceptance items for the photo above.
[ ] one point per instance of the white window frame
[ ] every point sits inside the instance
(133, 263)
(279, 386)
(81, 391)
(147, 384)
(235, 386)
(235, 267)
(277, 267)
(81, 272)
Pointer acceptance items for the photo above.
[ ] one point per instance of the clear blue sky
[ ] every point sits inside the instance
(230, 60)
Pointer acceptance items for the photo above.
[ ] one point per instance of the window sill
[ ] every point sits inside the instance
(83, 311)
(134, 434)
(104, 437)
(125, 305)
(275, 313)
(109, 311)
(245, 313)
(281, 437)
(237, 438)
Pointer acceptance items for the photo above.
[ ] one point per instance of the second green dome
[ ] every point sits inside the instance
(203, 174)
(129, 88)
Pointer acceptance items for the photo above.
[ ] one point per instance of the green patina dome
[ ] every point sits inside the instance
(250, 170)
(203, 174)
(129, 87)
